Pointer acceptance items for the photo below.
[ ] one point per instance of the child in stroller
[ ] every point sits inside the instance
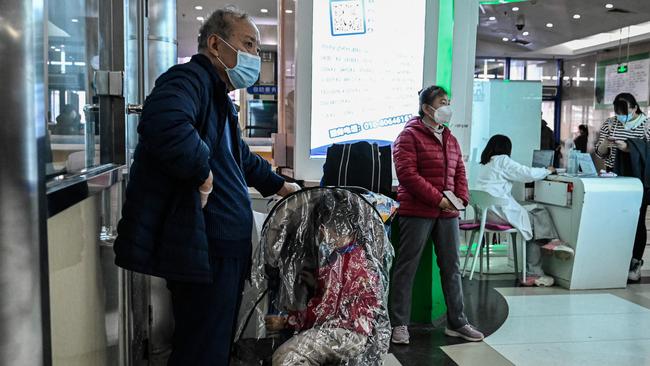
(344, 291)
(302, 275)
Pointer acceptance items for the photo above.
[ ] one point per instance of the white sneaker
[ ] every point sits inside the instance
(400, 335)
(559, 249)
(544, 281)
(635, 270)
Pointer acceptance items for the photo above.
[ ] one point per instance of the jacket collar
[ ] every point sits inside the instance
(416, 123)
(203, 61)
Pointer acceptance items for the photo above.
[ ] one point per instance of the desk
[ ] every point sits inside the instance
(598, 221)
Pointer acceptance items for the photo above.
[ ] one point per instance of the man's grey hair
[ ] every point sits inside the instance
(220, 23)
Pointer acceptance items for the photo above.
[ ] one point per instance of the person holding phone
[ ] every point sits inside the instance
(428, 161)
(612, 146)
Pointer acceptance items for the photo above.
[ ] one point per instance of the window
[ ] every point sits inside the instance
(72, 57)
(489, 68)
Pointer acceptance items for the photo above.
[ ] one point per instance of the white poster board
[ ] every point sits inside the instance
(367, 67)
(635, 81)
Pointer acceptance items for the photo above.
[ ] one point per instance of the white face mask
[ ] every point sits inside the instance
(442, 115)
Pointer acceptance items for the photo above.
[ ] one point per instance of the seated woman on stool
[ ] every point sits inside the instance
(497, 174)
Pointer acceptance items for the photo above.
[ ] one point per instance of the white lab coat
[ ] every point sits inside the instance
(496, 178)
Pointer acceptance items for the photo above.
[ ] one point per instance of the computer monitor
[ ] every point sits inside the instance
(586, 164)
(543, 158)
(262, 118)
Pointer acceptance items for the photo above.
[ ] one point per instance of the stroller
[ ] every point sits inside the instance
(338, 235)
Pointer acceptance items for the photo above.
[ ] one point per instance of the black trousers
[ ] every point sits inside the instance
(641, 234)
(206, 315)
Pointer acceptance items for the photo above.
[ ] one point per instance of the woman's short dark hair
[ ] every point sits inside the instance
(622, 103)
(429, 94)
(498, 145)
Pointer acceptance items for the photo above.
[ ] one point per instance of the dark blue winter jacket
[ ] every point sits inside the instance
(188, 127)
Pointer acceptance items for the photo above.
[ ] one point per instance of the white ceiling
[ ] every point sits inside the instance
(188, 26)
(594, 19)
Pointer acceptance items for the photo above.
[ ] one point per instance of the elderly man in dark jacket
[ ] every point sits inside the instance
(187, 216)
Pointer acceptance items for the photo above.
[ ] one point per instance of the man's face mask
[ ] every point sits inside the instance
(247, 70)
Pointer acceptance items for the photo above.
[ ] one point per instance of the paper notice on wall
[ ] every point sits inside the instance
(635, 81)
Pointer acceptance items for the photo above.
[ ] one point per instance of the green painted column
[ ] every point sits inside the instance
(444, 59)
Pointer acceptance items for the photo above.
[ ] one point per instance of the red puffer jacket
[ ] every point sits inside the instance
(425, 168)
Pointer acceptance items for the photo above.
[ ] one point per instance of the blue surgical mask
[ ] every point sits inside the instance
(247, 70)
(625, 118)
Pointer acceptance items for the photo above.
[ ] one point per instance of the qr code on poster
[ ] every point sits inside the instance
(347, 17)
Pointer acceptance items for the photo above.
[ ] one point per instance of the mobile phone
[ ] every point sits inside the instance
(455, 201)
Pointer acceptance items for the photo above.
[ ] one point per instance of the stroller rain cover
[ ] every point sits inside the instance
(309, 232)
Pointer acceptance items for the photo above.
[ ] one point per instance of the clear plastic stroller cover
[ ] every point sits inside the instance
(320, 282)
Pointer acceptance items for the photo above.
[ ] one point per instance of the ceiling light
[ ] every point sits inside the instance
(609, 6)
(597, 41)
(264, 10)
(505, 39)
(288, 11)
(514, 39)
(492, 18)
(576, 16)
(583, 65)
(200, 19)
(62, 46)
(526, 33)
(515, 9)
(74, 20)
(500, 63)
(52, 47)
(549, 25)
(57, 50)
(198, 7)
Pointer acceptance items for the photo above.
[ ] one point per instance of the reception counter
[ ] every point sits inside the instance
(597, 217)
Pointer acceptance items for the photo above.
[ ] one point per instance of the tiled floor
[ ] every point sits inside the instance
(574, 329)
(484, 307)
(544, 326)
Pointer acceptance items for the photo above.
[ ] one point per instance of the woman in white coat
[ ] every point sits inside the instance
(496, 175)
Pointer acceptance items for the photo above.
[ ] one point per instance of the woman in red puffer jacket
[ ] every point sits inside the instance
(428, 162)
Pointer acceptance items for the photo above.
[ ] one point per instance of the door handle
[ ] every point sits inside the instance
(134, 109)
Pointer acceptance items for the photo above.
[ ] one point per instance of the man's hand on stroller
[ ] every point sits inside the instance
(288, 188)
(275, 323)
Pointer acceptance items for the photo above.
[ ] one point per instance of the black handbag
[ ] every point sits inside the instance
(360, 164)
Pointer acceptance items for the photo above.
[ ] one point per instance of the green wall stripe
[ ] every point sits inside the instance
(445, 44)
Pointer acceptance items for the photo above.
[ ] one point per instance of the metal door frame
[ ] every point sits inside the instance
(24, 291)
